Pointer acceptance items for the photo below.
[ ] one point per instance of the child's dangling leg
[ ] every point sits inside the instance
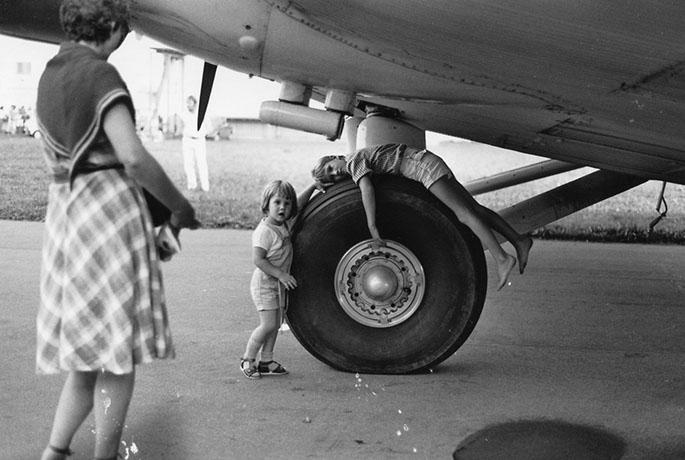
(504, 268)
(523, 246)
(452, 194)
(522, 243)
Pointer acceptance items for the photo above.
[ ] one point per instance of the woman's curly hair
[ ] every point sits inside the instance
(93, 20)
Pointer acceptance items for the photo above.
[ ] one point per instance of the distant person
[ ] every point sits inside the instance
(429, 169)
(30, 126)
(102, 308)
(4, 120)
(22, 116)
(13, 119)
(194, 147)
(158, 129)
(272, 254)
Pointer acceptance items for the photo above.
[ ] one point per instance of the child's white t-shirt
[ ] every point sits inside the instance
(275, 239)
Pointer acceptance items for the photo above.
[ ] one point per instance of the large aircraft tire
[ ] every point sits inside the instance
(429, 280)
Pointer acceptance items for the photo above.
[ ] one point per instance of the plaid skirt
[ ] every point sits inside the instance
(102, 303)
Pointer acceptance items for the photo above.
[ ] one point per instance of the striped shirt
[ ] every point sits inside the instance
(380, 159)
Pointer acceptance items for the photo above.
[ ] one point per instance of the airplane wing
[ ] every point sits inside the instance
(584, 82)
(593, 83)
(599, 84)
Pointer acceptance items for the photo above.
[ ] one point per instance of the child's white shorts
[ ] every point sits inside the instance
(423, 166)
(264, 296)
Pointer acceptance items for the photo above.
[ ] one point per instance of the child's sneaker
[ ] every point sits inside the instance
(271, 368)
(248, 368)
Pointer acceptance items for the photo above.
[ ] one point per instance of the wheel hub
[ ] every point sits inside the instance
(379, 285)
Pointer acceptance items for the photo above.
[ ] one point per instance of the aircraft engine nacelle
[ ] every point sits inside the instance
(302, 118)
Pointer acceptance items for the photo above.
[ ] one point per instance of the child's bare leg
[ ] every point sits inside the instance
(522, 243)
(452, 194)
(111, 400)
(254, 343)
(522, 249)
(75, 403)
(258, 338)
(273, 322)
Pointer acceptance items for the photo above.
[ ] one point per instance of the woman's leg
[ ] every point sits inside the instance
(453, 194)
(111, 400)
(75, 403)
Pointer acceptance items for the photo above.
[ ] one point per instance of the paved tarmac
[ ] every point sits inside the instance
(591, 335)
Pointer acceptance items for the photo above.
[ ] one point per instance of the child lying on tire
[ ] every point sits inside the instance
(429, 169)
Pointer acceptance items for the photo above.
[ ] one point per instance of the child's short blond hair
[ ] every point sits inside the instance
(282, 188)
(319, 171)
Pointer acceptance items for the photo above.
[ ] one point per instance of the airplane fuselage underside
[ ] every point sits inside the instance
(593, 84)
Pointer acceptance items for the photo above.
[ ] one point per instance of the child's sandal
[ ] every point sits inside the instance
(271, 368)
(64, 452)
(250, 370)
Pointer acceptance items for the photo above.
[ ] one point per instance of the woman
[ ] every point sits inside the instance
(102, 305)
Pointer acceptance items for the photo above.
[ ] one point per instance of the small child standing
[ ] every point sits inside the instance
(272, 254)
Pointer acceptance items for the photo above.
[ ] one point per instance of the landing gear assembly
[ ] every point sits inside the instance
(399, 307)
(410, 303)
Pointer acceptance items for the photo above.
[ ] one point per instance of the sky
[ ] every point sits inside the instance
(234, 94)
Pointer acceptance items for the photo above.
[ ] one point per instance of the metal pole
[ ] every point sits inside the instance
(566, 199)
(519, 176)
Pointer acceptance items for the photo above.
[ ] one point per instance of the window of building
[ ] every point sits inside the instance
(23, 68)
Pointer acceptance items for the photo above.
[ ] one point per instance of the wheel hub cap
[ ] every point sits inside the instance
(379, 285)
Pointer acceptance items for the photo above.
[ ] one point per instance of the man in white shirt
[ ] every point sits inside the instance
(194, 147)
